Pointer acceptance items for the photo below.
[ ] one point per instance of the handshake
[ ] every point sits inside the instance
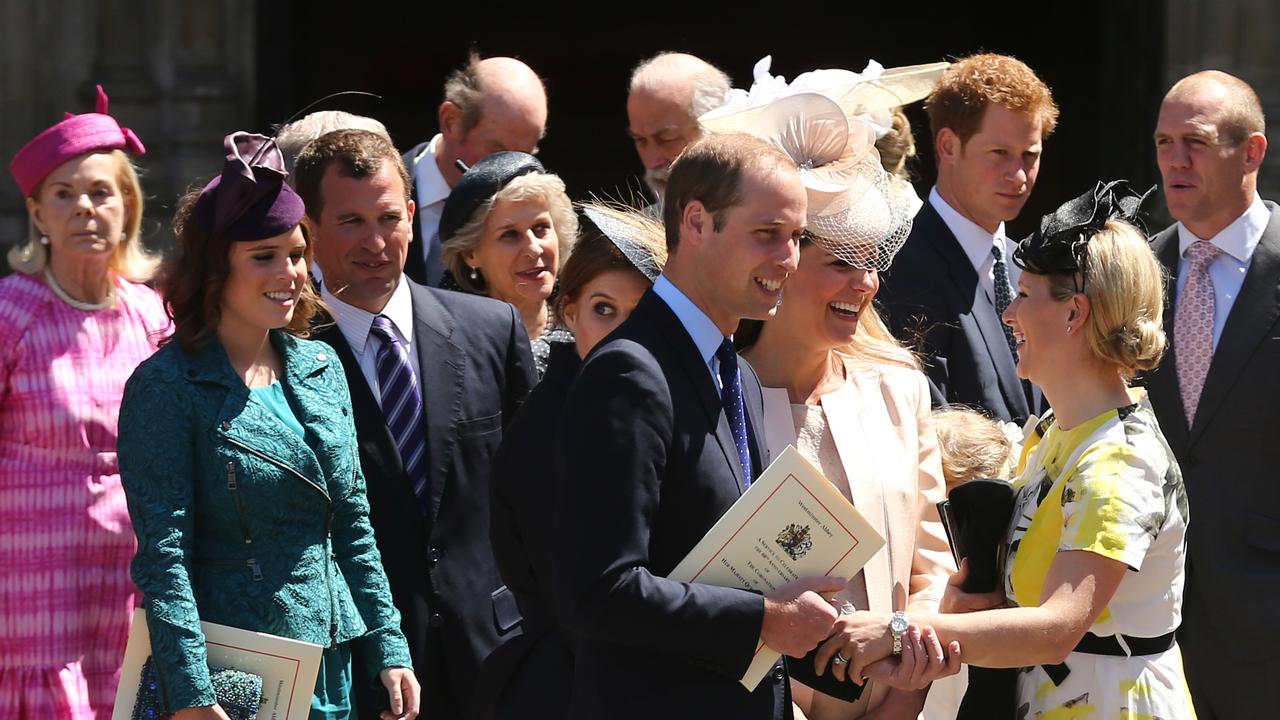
(857, 646)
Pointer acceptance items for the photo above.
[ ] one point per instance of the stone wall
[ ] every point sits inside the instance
(1241, 37)
(180, 74)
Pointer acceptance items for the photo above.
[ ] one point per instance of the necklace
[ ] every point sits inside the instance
(107, 302)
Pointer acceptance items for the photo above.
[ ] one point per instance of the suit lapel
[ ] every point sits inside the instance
(753, 404)
(1254, 311)
(441, 368)
(965, 280)
(681, 345)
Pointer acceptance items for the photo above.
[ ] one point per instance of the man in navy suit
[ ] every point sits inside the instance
(1217, 393)
(951, 281)
(660, 437)
(425, 450)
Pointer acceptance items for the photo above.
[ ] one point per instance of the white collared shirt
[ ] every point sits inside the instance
(355, 325)
(977, 244)
(433, 190)
(706, 336)
(1237, 242)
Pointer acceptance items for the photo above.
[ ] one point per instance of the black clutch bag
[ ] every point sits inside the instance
(238, 693)
(802, 671)
(976, 517)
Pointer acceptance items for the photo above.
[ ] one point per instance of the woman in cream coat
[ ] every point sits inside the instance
(854, 402)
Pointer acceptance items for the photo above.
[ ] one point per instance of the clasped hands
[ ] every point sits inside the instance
(800, 616)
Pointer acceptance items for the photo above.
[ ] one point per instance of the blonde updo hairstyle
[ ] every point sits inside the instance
(1125, 286)
(544, 187)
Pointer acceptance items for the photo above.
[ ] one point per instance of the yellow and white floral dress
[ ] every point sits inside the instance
(1109, 486)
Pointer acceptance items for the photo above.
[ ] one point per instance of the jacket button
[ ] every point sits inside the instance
(321, 357)
(436, 620)
(344, 412)
(778, 675)
(433, 556)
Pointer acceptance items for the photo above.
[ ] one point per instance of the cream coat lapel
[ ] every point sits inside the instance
(851, 418)
(842, 409)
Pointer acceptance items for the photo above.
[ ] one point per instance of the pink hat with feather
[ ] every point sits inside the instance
(74, 136)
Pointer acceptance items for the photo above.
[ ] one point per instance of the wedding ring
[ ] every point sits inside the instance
(839, 659)
(847, 608)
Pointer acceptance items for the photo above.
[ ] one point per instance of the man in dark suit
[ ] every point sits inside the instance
(660, 436)
(493, 104)
(1217, 392)
(950, 283)
(434, 375)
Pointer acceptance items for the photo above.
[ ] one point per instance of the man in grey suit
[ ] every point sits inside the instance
(1217, 393)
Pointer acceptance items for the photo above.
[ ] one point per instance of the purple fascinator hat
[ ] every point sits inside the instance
(250, 199)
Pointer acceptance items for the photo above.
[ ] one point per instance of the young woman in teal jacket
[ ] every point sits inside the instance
(239, 461)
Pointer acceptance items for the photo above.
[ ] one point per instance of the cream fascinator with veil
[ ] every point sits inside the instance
(828, 121)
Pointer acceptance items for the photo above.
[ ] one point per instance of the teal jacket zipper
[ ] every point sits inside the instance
(328, 528)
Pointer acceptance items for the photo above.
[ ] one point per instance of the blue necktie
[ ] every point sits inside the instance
(402, 405)
(1000, 273)
(731, 398)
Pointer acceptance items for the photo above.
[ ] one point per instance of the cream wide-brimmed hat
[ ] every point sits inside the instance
(824, 121)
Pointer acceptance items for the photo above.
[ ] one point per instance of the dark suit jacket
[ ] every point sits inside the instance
(475, 368)
(935, 304)
(529, 675)
(423, 268)
(647, 467)
(1230, 459)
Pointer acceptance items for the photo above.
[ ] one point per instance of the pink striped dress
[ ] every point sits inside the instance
(65, 540)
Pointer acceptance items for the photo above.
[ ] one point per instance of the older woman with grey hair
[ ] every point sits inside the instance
(506, 230)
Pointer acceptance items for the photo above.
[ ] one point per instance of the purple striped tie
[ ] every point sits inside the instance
(402, 405)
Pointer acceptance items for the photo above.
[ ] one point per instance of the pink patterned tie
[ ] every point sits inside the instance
(1193, 325)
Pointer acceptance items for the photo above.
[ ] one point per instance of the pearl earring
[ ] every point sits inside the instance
(474, 275)
(44, 239)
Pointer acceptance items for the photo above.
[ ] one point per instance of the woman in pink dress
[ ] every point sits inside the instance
(75, 321)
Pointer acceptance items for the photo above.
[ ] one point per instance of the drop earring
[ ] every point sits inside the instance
(474, 275)
(44, 239)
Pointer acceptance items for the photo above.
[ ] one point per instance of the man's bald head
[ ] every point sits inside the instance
(1210, 141)
(1239, 105)
(667, 94)
(490, 104)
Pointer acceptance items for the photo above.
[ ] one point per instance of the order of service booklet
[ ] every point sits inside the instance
(791, 523)
(287, 667)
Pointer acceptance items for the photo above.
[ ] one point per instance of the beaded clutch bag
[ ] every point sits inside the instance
(238, 693)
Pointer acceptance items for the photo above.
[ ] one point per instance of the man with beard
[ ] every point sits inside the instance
(669, 91)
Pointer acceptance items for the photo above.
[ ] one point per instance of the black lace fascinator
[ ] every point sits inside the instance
(1061, 244)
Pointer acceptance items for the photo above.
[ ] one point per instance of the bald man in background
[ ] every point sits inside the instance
(490, 104)
(667, 94)
(1216, 392)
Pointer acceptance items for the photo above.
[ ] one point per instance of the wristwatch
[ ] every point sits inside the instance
(897, 626)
